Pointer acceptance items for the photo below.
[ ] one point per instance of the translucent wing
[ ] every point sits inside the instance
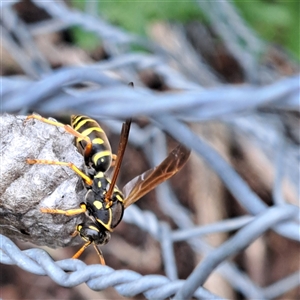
(144, 183)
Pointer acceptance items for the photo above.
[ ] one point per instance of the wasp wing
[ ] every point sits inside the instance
(120, 154)
(144, 183)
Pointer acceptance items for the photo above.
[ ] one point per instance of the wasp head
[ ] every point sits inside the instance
(90, 231)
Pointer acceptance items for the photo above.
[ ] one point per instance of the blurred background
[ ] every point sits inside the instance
(169, 47)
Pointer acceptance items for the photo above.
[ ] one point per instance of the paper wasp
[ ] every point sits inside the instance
(104, 203)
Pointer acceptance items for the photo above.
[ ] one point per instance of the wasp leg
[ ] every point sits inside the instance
(100, 254)
(80, 251)
(40, 118)
(86, 178)
(68, 128)
(74, 233)
(69, 212)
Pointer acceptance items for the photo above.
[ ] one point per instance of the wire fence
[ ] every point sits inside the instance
(240, 107)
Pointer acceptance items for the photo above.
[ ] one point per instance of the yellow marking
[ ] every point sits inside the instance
(85, 239)
(77, 118)
(79, 122)
(119, 198)
(99, 175)
(99, 155)
(99, 184)
(83, 206)
(93, 227)
(110, 218)
(97, 204)
(79, 227)
(106, 225)
(97, 141)
(88, 131)
(84, 121)
(116, 190)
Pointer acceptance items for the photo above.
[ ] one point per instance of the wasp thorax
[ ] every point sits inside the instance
(107, 213)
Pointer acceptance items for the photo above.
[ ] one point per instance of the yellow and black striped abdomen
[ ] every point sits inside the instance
(100, 156)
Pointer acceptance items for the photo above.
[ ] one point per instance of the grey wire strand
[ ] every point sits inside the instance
(240, 40)
(241, 240)
(190, 106)
(22, 46)
(97, 277)
(282, 286)
(168, 252)
(222, 226)
(277, 187)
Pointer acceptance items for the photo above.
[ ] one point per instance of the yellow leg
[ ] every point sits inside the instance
(74, 233)
(68, 128)
(81, 250)
(86, 178)
(40, 118)
(100, 254)
(69, 212)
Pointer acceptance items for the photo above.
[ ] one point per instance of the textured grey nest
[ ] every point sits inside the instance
(25, 188)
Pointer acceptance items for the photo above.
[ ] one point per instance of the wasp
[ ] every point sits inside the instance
(104, 203)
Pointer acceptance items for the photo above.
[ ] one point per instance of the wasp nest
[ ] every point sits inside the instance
(24, 188)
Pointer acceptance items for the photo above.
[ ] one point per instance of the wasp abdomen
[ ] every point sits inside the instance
(99, 157)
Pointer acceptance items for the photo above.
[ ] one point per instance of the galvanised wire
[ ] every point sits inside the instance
(97, 277)
(30, 260)
(54, 92)
(20, 43)
(238, 242)
(241, 41)
(119, 101)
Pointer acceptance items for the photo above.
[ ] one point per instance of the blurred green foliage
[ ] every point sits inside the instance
(275, 21)
(136, 16)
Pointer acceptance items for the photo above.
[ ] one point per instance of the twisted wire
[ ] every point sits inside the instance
(71, 272)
